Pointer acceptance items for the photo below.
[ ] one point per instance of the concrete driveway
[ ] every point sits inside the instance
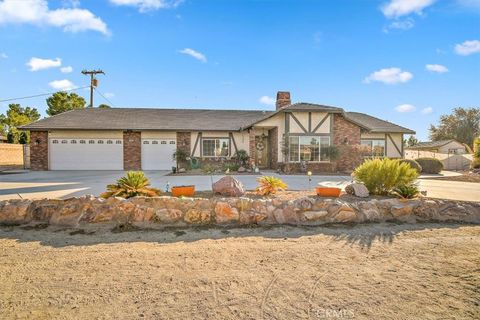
(65, 184)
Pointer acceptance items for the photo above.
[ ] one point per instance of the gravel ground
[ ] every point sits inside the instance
(373, 271)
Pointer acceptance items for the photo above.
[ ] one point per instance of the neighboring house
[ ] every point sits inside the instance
(3, 139)
(145, 139)
(451, 146)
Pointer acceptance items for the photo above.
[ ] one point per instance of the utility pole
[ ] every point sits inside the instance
(93, 82)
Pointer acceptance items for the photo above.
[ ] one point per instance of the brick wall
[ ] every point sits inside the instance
(132, 150)
(346, 136)
(251, 145)
(39, 150)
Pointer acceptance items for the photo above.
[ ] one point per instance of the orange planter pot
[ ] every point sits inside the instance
(328, 192)
(183, 191)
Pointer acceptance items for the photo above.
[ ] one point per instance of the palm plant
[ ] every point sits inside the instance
(133, 184)
(269, 185)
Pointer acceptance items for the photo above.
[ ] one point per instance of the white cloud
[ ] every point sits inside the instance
(468, 47)
(438, 68)
(269, 101)
(427, 110)
(474, 4)
(405, 108)
(66, 69)
(400, 25)
(195, 54)
(399, 8)
(389, 76)
(37, 64)
(36, 12)
(109, 94)
(62, 84)
(148, 5)
(3, 55)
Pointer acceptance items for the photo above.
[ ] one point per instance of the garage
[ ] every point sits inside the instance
(85, 154)
(157, 154)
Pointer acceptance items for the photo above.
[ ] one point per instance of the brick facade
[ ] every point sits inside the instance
(283, 99)
(132, 150)
(251, 145)
(39, 150)
(346, 136)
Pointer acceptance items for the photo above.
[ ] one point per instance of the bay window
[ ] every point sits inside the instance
(374, 148)
(308, 148)
(215, 147)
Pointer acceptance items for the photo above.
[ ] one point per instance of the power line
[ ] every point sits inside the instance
(42, 94)
(96, 90)
(93, 82)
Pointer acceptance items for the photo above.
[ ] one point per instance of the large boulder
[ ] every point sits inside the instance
(229, 186)
(357, 189)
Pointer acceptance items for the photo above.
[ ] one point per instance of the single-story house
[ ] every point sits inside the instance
(450, 146)
(145, 139)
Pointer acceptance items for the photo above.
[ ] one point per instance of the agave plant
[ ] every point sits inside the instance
(269, 185)
(133, 184)
(407, 191)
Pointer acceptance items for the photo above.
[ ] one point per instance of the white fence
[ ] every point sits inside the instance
(450, 161)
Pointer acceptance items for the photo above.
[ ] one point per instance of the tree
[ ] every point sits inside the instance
(62, 101)
(411, 141)
(104, 106)
(462, 125)
(15, 117)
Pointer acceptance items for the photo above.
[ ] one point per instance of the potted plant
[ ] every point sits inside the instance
(183, 191)
(328, 191)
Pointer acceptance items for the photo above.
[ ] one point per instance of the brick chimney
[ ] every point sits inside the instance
(283, 99)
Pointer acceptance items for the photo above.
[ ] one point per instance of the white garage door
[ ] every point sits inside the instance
(157, 154)
(86, 154)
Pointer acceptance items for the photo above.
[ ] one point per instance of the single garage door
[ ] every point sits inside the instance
(86, 154)
(157, 154)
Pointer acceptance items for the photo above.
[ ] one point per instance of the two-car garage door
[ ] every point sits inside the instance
(107, 154)
(86, 154)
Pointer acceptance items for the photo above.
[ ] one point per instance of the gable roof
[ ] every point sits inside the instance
(432, 144)
(148, 119)
(373, 124)
(304, 106)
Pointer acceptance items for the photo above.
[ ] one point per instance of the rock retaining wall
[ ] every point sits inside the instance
(169, 211)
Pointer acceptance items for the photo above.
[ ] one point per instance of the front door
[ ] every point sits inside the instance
(261, 151)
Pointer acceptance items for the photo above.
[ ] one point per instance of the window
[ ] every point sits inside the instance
(54, 141)
(109, 142)
(73, 141)
(118, 142)
(100, 141)
(64, 141)
(215, 147)
(91, 141)
(308, 148)
(82, 141)
(172, 142)
(374, 148)
(164, 142)
(146, 142)
(155, 142)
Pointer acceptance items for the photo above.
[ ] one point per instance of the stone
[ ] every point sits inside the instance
(143, 214)
(14, 211)
(229, 186)
(345, 215)
(251, 217)
(224, 213)
(197, 216)
(69, 215)
(242, 169)
(370, 211)
(357, 189)
(401, 210)
(168, 216)
(427, 210)
(315, 215)
(304, 203)
(288, 215)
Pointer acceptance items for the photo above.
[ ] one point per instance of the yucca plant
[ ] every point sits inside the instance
(407, 191)
(381, 176)
(133, 184)
(269, 185)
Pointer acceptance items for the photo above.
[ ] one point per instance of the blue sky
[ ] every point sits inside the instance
(363, 55)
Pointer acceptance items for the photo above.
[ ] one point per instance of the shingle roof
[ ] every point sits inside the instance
(431, 144)
(304, 106)
(373, 124)
(149, 119)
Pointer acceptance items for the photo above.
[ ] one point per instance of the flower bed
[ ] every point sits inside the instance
(169, 211)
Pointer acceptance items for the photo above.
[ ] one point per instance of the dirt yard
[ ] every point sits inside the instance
(376, 271)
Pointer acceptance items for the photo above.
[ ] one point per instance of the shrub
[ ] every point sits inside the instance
(475, 163)
(133, 184)
(381, 176)
(231, 167)
(413, 164)
(242, 157)
(408, 191)
(430, 165)
(180, 156)
(269, 185)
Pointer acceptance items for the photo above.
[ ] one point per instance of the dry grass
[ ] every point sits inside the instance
(381, 271)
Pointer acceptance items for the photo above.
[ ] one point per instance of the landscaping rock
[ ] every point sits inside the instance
(224, 213)
(14, 211)
(357, 189)
(229, 186)
(168, 216)
(242, 169)
(196, 216)
(315, 215)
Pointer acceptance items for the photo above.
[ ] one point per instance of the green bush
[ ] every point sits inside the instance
(408, 191)
(231, 167)
(381, 176)
(133, 184)
(242, 157)
(475, 163)
(430, 165)
(413, 164)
